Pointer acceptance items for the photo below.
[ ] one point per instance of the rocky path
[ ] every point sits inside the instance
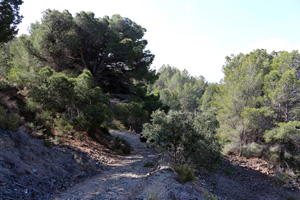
(123, 179)
(127, 178)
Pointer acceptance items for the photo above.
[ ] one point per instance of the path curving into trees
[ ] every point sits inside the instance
(122, 179)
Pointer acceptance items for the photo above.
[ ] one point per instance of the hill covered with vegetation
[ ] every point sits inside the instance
(79, 76)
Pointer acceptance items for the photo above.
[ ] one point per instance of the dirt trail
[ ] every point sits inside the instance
(122, 179)
(127, 178)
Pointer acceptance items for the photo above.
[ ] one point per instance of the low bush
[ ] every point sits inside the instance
(252, 150)
(285, 140)
(116, 124)
(149, 164)
(48, 143)
(228, 170)
(121, 146)
(209, 196)
(231, 148)
(62, 125)
(185, 173)
(132, 115)
(8, 120)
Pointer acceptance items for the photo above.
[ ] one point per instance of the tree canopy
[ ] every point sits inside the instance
(111, 48)
(178, 89)
(9, 19)
(259, 105)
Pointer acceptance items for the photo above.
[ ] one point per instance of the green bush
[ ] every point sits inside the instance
(252, 150)
(132, 115)
(8, 120)
(71, 103)
(228, 170)
(149, 164)
(121, 146)
(185, 173)
(48, 143)
(285, 140)
(117, 124)
(62, 125)
(188, 138)
(44, 122)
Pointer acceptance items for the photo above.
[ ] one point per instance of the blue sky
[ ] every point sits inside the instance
(195, 35)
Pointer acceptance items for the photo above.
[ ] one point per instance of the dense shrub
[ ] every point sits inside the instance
(70, 103)
(187, 138)
(286, 143)
(8, 120)
(252, 150)
(185, 173)
(9, 106)
(149, 164)
(121, 146)
(132, 115)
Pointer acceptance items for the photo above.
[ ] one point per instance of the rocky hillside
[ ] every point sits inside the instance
(34, 169)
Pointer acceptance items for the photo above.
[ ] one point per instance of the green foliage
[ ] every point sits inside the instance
(287, 138)
(149, 164)
(185, 173)
(209, 196)
(256, 121)
(117, 124)
(48, 143)
(188, 139)
(167, 131)
(259, 106)
(112, 49)
(229, 170)
(24, 66)
(43, 122)
(71, 103)
(152, 103)
(252, 150)
(282, 89)
(5, 59)
(132, 115)
(179, 90)
(121, 146)
(11, 107)
(205, 148)
(170, 99)
(208, 99)
(242, 88)
(53, 90)
(82, 104)
(9, 18)
(8, 120)
(285, 132)
(62, 125)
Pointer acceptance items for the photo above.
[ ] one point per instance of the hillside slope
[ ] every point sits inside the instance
(30, 170)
